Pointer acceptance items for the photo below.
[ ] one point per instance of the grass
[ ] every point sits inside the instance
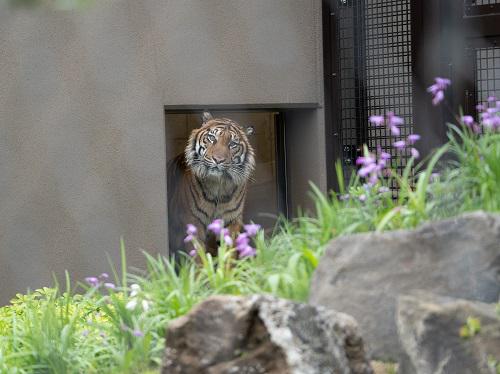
(120, 329)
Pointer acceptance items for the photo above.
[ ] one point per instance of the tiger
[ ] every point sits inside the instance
(209, 181)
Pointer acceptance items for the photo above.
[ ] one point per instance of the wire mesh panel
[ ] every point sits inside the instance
(374, 63)
(487, 72)
(388, 70)
(481, 7)
(350, 36)
(483, 2)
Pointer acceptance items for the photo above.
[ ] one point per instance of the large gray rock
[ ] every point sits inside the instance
(362, 275)
(262, 334)
(429, 329)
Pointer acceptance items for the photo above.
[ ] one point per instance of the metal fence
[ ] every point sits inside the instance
(374, 74)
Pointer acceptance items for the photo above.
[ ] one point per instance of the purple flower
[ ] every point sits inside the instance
(480, 107)
(414, 153)
(191, 229)
(376, 120)
(228, 240)
(438, 97)
(104, 276)
(242, 241)
(85, 333)
(251, 229)
(440, 85)
(393, 122)
(437, 89)
(491, 99)
(344, 197)
(192, 252)
(373, 179)
(138, 333)
(362, 197)
(467, 120)
(110, 286)
(412, 138)
(395, 130)
(361, 160)
(399, 144)
(92, 281)
(188, 239)
(385, 156)
(216, 226)
(247, 252)
(366, 170)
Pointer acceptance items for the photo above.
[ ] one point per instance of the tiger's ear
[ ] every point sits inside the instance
(249, 130)
(205, 117)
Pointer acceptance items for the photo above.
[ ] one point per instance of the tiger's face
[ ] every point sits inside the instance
(220, 149)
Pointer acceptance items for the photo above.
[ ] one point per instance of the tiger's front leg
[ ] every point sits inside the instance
(234, 229)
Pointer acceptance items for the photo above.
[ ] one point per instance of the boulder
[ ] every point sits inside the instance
(429, 328)
(263, 334)
(362, 275)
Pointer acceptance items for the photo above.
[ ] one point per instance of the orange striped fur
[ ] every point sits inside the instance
(209, 181)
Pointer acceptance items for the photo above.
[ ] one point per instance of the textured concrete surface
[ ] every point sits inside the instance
(82, 130)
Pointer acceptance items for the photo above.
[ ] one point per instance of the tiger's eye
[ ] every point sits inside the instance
(211, 138)
(232, 144)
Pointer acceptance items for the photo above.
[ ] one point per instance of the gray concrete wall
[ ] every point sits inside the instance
(82, 96)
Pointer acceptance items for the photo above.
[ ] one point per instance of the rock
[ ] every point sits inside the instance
(262, 334)
(429, 330)
(363, 274)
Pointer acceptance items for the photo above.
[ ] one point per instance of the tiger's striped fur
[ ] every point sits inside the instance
(209, 181)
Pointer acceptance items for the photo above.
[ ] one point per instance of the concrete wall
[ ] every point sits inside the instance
(82, 97)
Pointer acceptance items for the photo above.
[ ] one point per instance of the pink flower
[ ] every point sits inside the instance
(414, 153)
(192, 252)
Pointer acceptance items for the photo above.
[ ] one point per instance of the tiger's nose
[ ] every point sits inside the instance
(218, 159)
